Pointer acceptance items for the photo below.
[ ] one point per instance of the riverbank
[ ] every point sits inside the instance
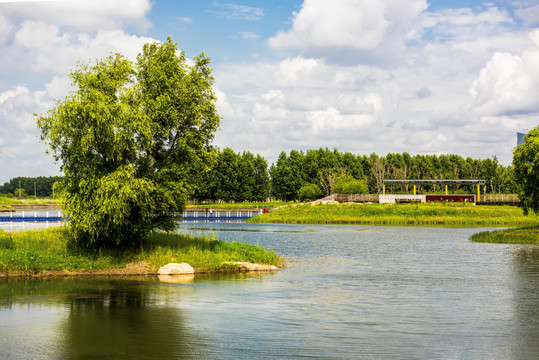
(426, 214)
(8, 202)
(526, 235)
(48, 252)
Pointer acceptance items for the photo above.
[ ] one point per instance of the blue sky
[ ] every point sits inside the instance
(416, 76)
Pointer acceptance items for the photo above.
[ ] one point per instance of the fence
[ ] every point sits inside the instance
(219, 215)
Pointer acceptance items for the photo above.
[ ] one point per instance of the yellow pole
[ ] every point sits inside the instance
(446, 190)
(383, 189)
(478, 192)
(414, 189)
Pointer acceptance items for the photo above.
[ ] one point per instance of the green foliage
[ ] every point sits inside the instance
(234, 177)
(128, 139)
(526, 170)
(310, 192)
(346, 184)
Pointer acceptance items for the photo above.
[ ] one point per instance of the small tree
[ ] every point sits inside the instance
(127, 139)
(346, 184)
(526, 168)
(310, 192)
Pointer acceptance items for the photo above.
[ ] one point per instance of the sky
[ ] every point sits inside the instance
(417, 76)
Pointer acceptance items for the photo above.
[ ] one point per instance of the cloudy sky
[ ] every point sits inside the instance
(416, 76)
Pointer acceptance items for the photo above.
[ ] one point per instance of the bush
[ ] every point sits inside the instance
(309, 191)
(346, 184)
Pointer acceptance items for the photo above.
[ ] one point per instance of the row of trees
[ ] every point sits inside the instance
(318, 173)
(312, 174)
(234, 177)
(40, 186)
(329, 170)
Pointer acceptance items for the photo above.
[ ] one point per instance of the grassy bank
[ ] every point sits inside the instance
(527, 235)
(7, 201)
(48, 251)
(431, 214)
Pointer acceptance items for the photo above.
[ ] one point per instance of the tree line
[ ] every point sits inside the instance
(40, 186)
(315, 173)
(298, 175)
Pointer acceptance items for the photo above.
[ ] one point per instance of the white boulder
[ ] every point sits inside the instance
(176, 269)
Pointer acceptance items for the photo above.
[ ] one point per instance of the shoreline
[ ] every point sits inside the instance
(132, 269)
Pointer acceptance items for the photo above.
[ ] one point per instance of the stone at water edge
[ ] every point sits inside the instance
(176, 269)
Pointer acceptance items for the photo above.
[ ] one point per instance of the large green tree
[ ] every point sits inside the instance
(526, 170)
(127, 139)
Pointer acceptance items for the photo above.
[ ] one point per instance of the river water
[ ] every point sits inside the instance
(348, 292)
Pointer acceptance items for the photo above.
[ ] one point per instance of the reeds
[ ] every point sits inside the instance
(526, 235)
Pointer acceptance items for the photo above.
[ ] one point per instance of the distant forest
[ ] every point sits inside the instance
(29, 186)
(298, 175)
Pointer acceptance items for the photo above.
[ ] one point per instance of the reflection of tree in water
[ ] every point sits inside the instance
(117, 319)
(526, 302)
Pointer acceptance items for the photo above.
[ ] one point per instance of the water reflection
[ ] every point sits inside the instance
(99, 319)
(525, 279)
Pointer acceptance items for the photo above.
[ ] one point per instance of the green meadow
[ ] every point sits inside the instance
(429, 214)
(50, 251)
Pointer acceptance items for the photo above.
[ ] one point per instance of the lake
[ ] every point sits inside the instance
(348, 292)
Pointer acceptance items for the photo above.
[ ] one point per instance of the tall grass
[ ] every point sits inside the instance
(526, 235)
(437, 214)
(6, 201)
(36, 251)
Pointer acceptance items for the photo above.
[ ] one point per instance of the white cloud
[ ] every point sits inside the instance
(459, 22)
(5, 28)
(237, 12)
(83, 14)
(249, 35)
(508, 84)
(22, 152)
(349, 24)
(530, 15)
(42, 47)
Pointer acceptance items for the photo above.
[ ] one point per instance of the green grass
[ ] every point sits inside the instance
(244, 205)
(432, 214)
(526, 235)
(50, 250)
(6, 201)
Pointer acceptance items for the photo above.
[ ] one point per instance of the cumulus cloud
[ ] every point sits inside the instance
(356, 26)
(508, 84)
(83, 14)
(40, 46)
(22, 153)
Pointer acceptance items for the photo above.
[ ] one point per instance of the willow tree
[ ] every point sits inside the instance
(127, 138)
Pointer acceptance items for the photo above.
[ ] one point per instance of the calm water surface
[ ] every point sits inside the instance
(349, 292)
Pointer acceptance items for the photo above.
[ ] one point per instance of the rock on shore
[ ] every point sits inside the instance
(176, 269)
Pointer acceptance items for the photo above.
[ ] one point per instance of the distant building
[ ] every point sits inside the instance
(520, 138)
